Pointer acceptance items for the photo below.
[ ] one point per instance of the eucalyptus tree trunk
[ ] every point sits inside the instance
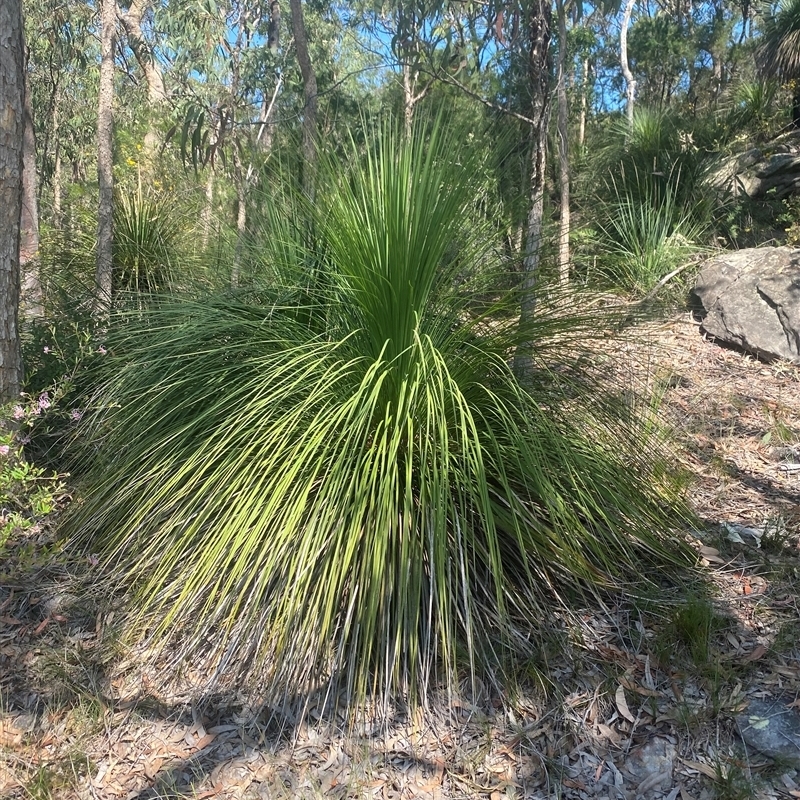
(563, 148)
(274, 29)
(309, 97)
(57, 189)
(29, 262)
(408, 31)
(266, 128)
(105, 158)
(630, 81)
(156, 93)
(408, 100)
(411, 96)
(241, 217)
(584, 105)
(58, 215)
(539, 28)
(207, 213)
(12, 129)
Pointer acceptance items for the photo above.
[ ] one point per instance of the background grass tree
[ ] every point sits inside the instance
(778, 53)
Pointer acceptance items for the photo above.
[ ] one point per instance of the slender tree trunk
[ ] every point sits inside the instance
(630, 82)
(241, 218)
(207, 214)
(208, 208)
(54, 134)
(142, 52)
(57, 190)
(534, 223)
(412, 94)
(563, 148)
(31, 289)
(408, 100)
(274, 29)
(539, 25)
(50, 131)
(309, 96)
(266, 130)
(12, 130)
(105, 158)
(266, 127)
(584, 104)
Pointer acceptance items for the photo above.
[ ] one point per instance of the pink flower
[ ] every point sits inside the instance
(18, 413)
(46, 349)
(102, 350)
(44, 401)
(76, 415)
(4, 449)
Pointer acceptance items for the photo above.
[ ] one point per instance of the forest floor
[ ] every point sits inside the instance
(646, 706)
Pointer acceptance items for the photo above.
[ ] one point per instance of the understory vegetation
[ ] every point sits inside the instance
(331, 418)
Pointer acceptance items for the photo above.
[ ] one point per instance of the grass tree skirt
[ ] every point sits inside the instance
(336, 479)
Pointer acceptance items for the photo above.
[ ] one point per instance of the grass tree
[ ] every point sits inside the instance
(778, 54)
(336, 479)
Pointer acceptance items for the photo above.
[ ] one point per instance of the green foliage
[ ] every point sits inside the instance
(778, 53)
(660, 50)
(58, 348)
(51, 780)
(341, 482)
(790, 217)
(651, 199)
(753, 107)
(645, 238)
(146, 237)
(659, 155)
(694, 625)
(27, 494)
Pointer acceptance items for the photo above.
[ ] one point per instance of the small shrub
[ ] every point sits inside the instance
(27, 494)
(694, 625)
(644, 239)
(790, 217)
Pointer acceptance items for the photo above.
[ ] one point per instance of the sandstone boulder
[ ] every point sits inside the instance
(751, 299)
(773, 168)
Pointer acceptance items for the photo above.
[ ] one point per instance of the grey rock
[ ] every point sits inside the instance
(751, 299)
(781, 163)
(772, 728)
(749, 158)
(775, 169)
(786, 453)
(24, 722)
(651, 765)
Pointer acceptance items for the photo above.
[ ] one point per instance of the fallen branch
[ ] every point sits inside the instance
(666, 279)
